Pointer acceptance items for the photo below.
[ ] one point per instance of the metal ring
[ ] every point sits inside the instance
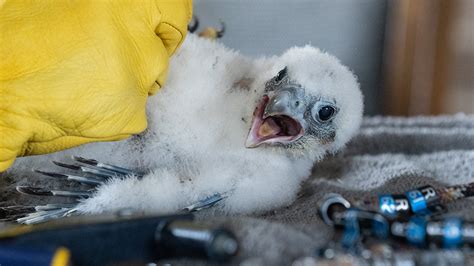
(331, 199)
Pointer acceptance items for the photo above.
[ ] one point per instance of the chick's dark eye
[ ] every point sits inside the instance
(325, 113)
(281, 75)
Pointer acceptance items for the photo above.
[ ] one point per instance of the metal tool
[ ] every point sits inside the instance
(450, 232)
(184, 238)
(384, 254)
(424, 200)
(125, 238)
(419, 230)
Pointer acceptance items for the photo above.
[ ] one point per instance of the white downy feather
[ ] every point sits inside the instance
(198, 124)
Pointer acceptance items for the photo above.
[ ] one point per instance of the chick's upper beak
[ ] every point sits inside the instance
(289, 101)
(279, 104)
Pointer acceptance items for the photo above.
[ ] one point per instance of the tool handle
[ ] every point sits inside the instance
(17, 256)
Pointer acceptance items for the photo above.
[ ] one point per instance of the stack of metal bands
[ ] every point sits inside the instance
(415, 218)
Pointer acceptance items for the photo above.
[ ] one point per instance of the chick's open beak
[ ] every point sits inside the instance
(275, 121)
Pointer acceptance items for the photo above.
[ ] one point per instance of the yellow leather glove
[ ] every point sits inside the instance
(73, 72)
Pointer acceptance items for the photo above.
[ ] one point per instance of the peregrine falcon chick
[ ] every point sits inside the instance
(226, 123)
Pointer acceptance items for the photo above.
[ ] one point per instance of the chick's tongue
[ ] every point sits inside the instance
(269, 128)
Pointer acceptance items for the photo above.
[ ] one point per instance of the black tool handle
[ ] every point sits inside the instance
(99, 243)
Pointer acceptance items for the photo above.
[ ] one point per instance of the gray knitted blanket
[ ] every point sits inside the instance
(389, 155)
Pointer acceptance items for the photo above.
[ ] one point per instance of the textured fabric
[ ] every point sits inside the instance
(390, 155)
(73, 72)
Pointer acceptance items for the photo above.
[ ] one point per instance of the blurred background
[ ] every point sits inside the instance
(412, 57)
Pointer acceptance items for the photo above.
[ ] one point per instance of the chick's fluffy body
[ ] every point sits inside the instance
(198, 123)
